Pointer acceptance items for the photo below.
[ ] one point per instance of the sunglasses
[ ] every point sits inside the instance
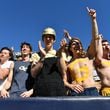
(75, 43)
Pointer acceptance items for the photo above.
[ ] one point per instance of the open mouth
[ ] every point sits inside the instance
(76, 48)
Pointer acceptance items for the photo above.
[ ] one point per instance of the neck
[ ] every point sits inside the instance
(25, 58)
(3, 61)
(48, 49)
(76, 55)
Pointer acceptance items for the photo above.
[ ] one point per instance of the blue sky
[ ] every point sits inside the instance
(24, 20)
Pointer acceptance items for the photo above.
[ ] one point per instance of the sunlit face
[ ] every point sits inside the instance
(106, 49)
(5, 55)
(76, 46)
(106, 45)
(25, 50)
(48, 40)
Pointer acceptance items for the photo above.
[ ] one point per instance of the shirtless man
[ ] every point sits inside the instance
(103, 64)
(102, 60)
(79, 70)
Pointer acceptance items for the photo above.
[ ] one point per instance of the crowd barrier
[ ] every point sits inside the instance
(57, 103)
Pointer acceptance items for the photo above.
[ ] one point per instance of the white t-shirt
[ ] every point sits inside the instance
(6, 64)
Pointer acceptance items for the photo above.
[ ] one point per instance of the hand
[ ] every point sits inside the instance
(27, 93)
(63, 42)
(4, 93)
(66, 34)
(77, 88)
(41, 48)
(91, 12)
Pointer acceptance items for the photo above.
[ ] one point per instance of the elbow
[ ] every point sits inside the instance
(33, 73)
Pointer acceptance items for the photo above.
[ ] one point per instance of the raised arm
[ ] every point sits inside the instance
(92, 14)
(91, 49)
(96, 44)
(98, 47)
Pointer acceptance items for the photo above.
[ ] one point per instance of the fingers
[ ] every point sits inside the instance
(41, 48)
(5, 95)
(100, 35)
(78, 88)
(63, 42)
(88, 9)
(91, 12)
(39, 44)
(25, 94)
(66, 33)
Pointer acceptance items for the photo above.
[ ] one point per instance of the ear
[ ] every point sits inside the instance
(54, 41)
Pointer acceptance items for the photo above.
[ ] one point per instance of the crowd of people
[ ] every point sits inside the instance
(68, 71)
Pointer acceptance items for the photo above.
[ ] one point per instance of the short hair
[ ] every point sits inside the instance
(104, 40)
(26, 43)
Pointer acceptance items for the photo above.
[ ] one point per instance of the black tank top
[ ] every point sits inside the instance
(49, 81)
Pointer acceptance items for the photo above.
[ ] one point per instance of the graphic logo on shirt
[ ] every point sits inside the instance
(23, 68)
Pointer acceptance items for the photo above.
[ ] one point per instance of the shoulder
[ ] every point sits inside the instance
(7, 64)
